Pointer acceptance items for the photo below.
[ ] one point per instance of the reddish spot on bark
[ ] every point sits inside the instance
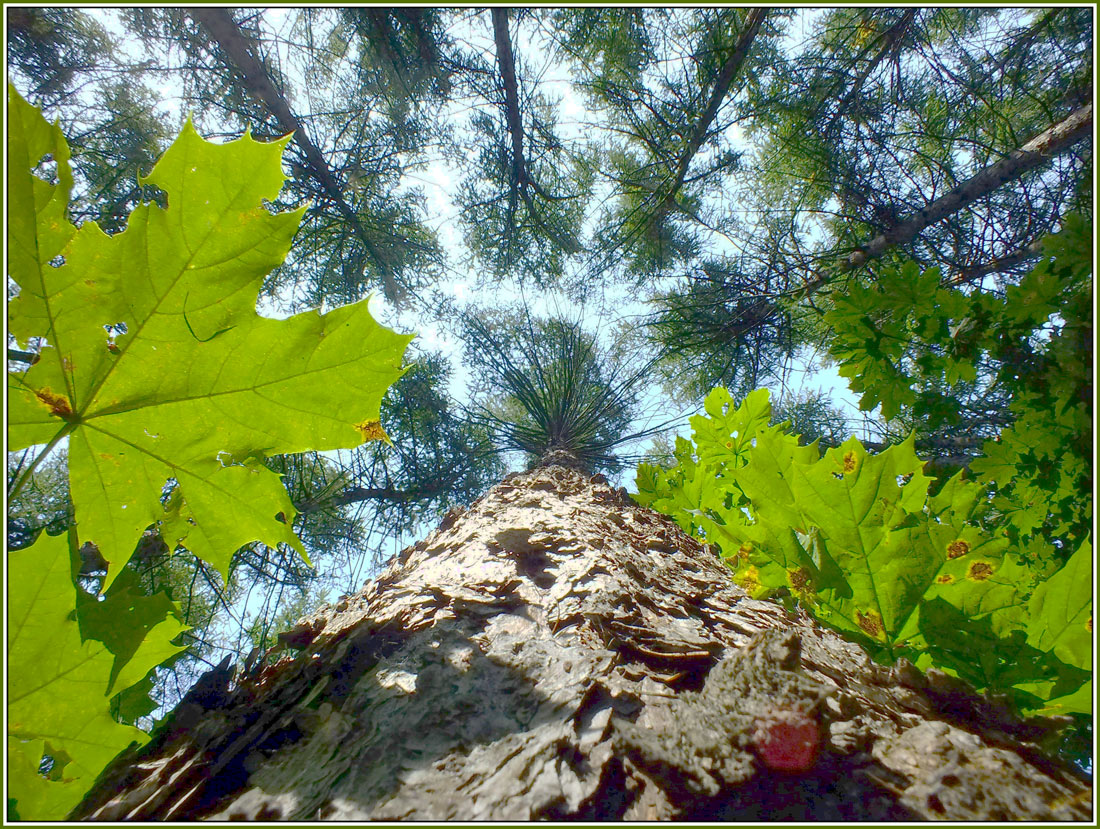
(58, 404)
(787, 740)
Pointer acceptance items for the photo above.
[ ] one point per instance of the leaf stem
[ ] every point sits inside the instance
(21, 481)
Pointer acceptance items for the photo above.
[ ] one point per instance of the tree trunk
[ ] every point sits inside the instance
(1034, 154)
(239, 48)
(558, 652)
(722, 83)
(521, 182)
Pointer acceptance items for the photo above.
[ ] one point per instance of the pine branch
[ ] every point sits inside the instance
(718, 94)
(1034, 154)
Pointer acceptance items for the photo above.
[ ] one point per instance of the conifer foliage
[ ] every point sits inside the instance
(557, 390)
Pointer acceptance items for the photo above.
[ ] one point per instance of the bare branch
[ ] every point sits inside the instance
(1035, 153)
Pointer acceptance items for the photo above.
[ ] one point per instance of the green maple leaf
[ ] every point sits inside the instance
(58, 680)
(858, 541)
(39, 230)
(32, 796)
(1060, 611)
(189, 383)
(868, 574)
(1079, 699)
(124, 620)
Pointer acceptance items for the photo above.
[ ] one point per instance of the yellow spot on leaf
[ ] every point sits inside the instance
(979, 571)
(871, 624)
(57, 404)
(372, 430)
(740, 555)
(749, 580)
(1088, 625)
(957, 548)
(946, 578)
(850, 461)
(799, 579)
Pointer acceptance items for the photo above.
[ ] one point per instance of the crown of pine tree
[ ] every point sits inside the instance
(557, 392)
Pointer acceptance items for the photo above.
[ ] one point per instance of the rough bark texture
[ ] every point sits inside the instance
(556, 651)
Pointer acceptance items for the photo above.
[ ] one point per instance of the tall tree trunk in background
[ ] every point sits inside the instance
(556, 651)
(241, 50)
(521, 181)
(718, 93)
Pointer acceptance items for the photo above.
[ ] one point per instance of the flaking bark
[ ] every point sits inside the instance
(558, 652)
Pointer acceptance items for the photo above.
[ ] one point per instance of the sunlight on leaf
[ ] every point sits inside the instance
(198, 387)
(56, 680)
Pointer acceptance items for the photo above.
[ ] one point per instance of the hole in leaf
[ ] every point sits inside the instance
(167, 489)
(149, 193)
(46, 169)
(57, 261)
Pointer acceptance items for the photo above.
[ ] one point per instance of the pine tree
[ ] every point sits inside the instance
(557, 651)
